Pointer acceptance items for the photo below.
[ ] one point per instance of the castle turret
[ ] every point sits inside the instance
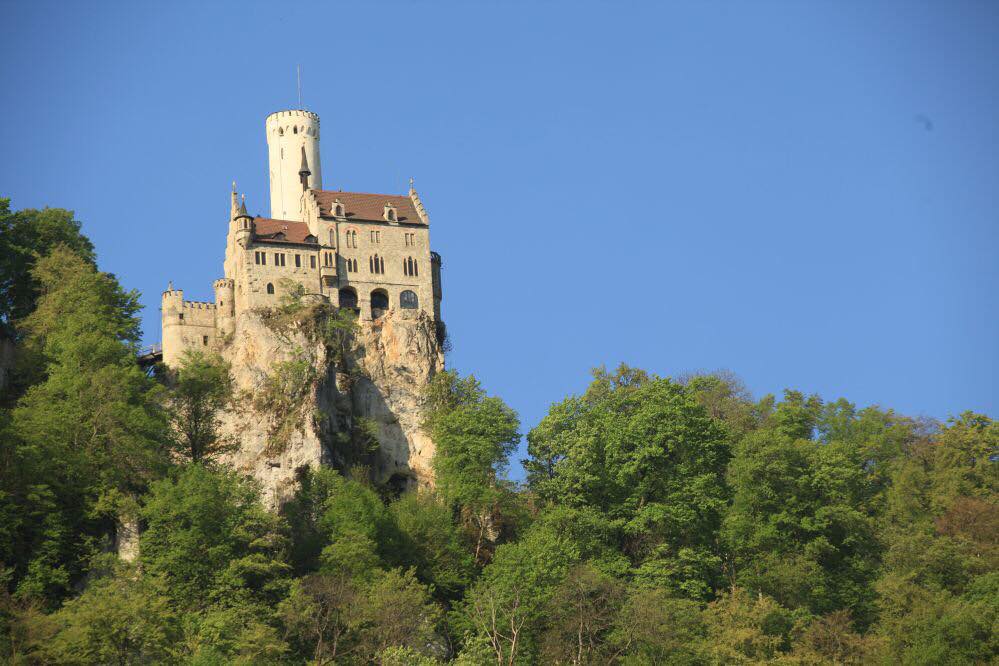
(293, 152)
(244, 224)
(172, 314)
(225, 306)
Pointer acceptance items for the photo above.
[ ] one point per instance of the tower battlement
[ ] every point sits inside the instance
(293, 156)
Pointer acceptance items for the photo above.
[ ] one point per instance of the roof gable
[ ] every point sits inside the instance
(366, 206)
(282, 231)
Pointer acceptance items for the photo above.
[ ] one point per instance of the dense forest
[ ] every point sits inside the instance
(662, 520)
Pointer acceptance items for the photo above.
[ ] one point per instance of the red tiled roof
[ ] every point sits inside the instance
(364, 206)
(266, 229)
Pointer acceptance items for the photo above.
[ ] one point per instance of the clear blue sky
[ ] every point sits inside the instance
(804, 193)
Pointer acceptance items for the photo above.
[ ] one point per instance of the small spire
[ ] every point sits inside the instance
(242, 208)
(234, 187)
(305, 165)
(303, 171)
(170, 285)
(411, 188)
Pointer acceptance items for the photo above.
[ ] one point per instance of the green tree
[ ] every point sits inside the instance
(25, 237)
(319, 615)
(433, 544)
(654, 627)
(801, 528)
(212, 541)
(201, 389)
(334, 617)
(742, 628)
(581, 615)
(122, 618)
(474, 435)
(506, 606)
(86, 437)
(645, 453)
(726, 399)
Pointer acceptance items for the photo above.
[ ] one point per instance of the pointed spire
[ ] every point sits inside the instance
(242, 208)
(412, 189)
(233, 208)
(305, 164)
(170, 285)
(303, 171)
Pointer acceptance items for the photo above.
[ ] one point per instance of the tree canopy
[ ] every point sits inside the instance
(662, 520)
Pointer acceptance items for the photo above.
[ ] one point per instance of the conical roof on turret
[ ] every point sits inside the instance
(305, 164)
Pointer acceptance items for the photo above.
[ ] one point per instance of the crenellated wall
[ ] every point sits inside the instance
(186, 325)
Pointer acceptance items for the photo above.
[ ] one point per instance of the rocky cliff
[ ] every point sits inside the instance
(313, 391)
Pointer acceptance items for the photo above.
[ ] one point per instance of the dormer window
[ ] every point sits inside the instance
(390, 213)
(337, 208)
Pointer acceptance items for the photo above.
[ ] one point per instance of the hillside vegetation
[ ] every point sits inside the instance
(662, 520)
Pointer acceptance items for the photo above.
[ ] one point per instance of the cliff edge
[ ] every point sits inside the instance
(317, 387)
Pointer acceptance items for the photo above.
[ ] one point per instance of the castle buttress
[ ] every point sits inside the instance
(368, 252)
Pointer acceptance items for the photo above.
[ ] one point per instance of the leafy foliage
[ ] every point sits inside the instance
(202, 389)
(662, 522)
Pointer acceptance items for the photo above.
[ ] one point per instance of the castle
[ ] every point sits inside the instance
(368, 252)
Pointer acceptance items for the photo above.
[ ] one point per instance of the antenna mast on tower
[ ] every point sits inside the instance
(298, 73)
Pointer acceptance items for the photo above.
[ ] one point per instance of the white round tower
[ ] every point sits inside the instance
(293, 155)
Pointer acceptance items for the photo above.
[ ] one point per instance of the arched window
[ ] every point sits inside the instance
(280, 131)
(348, 298)
(332, 238)
(295, 129)
(408, 300)
(379, 300)
(270, 288)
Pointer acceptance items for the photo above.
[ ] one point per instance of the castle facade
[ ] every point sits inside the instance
(368, 252)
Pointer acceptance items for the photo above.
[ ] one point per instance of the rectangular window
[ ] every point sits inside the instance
(278, 259)
(298, 261)
(312, 261)
(204, 340)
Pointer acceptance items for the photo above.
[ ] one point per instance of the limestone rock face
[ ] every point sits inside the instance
(377, 379)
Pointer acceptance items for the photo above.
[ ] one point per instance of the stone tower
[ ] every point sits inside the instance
(293, 155)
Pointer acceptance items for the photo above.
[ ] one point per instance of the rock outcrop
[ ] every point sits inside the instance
(304, 403)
